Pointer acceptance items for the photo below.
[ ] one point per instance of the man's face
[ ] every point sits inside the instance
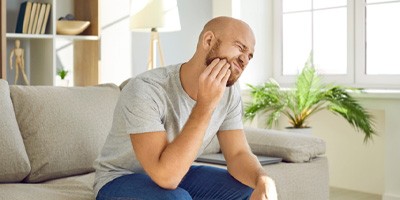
(233, 53)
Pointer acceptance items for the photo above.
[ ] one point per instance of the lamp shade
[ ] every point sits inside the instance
(162, 15)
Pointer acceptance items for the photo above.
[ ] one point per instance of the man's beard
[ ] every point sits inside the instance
(213, 54)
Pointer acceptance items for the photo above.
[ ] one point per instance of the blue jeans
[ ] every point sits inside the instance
(201, 182)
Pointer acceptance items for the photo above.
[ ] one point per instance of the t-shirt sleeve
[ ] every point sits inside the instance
(141, 108)
(233, 119)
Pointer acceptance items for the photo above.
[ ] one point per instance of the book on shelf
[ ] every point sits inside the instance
(40, 19)
(35, 20)
(23, 16)
(32, 17)
(26, 17)
(46, 18)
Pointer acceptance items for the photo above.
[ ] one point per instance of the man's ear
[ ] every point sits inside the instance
(207, 40)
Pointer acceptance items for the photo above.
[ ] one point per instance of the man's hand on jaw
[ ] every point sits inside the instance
(212, 83)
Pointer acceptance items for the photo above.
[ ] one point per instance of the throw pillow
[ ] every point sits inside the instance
(64, 128)
(291, 147)
(14, 164)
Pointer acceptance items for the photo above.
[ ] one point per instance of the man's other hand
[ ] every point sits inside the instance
(265, 190)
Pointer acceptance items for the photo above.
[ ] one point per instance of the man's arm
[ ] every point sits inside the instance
(244, 166)
(167, 163)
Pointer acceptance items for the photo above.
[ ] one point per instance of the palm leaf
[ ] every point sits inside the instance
(343, 104)
(308, 89)
(274, 115)
(265, 98)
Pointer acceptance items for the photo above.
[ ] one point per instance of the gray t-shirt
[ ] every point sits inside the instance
(155, 101)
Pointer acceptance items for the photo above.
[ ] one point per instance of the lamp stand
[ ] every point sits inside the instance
(154, 44)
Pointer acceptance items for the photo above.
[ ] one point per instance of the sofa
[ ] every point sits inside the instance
(50, 136)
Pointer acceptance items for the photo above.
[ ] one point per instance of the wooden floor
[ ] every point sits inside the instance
(343, 194)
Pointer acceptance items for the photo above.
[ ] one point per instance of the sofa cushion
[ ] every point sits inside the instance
(213, 146)
(63, 128)
(78, 187)
(291, 147)
(14, 163)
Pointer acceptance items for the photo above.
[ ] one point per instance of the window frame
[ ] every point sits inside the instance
(356, 53)
(361, 78)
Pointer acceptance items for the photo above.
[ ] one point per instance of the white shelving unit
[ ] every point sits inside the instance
(46, 53)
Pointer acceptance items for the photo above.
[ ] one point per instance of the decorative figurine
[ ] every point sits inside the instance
(19, 62)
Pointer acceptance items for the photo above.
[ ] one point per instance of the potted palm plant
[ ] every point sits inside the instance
(308, 97)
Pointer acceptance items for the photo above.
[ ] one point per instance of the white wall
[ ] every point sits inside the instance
(226, 8)
(390, 104)
(116, 52)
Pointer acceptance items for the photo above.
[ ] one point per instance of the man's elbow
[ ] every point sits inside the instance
(168, 186)
(168, 183)
(165, 177)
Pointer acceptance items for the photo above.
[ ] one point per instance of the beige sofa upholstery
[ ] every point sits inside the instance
(50, 137)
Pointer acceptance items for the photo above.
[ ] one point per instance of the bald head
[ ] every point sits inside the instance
(223, 26)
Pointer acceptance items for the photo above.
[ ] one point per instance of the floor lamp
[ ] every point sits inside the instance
(155, 16)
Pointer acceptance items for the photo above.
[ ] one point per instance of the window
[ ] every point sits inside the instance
(354, 42)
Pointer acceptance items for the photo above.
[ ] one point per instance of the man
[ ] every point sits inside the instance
(169, 115)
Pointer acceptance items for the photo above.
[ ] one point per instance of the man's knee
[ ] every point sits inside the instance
(205, 182)
(139, 187)
(177, 194)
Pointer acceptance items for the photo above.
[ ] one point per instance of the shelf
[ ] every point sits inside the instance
(44, 54)
(48, 36)
(28, 36)
(78, 37)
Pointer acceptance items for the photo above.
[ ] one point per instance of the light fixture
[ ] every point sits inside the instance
(155, 16)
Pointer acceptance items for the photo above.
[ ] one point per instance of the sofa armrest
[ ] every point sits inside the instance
(291, 147)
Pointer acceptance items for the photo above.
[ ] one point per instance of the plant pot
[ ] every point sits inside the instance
(305, 131)
(62, 82)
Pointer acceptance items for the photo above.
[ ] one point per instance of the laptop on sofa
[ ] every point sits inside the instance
(218, 158)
